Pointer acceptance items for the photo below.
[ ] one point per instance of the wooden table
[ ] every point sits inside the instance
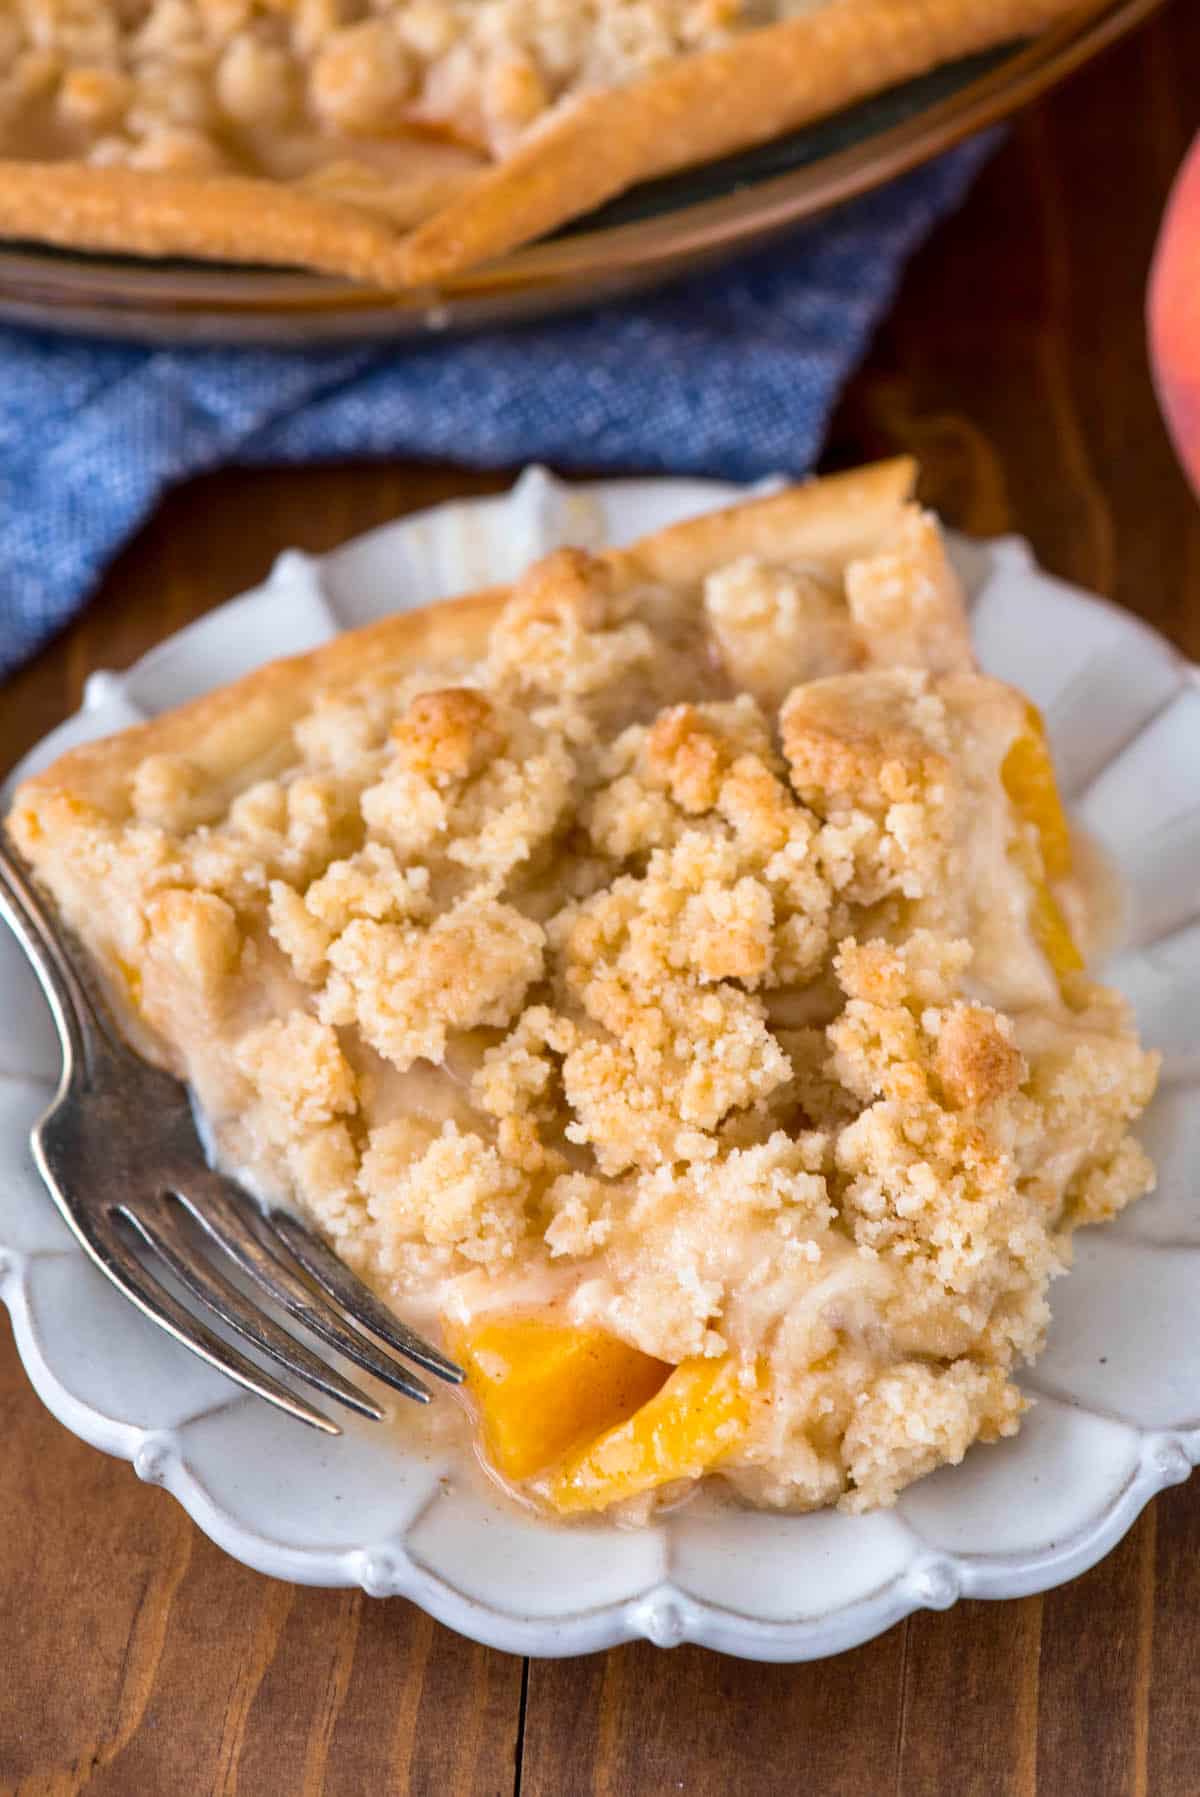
(137, 1660)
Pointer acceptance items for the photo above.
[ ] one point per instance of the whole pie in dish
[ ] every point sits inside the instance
(399, 141)
(665, 976)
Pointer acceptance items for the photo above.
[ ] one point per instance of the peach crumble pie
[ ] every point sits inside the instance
(322, 132)
(667, 975)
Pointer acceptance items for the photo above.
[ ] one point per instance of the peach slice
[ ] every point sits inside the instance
(1028, 777)
(543, 1389)
(1052, 932)
(1029, 781)
(699, 1416)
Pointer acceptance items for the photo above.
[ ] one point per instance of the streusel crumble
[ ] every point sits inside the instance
(656, 973)
(399, 141)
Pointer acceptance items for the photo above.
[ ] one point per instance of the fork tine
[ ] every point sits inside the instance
(323, 1265)
(155, 1301)
(210, 1200)
(164, 1231)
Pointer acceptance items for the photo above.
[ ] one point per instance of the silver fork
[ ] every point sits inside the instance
(120, 1153)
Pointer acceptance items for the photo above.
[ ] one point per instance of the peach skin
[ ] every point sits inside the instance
(1174, 314)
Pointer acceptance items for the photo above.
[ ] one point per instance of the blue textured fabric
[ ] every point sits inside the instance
(729, 374)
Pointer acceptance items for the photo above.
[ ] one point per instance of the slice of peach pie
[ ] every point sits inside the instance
(667, 975)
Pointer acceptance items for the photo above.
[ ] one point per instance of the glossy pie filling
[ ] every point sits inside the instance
(675, 1002)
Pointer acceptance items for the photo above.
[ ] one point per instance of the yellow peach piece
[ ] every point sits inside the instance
(698, 1417)
(543, 1389)
(1052, 932)
(1028, 776)
(131, 978)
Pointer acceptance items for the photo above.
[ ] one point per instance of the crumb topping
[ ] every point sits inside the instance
(682, 958)
(323, 91)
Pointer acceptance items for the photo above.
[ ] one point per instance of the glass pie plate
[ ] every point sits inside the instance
(1117, 1411)
(657, 230)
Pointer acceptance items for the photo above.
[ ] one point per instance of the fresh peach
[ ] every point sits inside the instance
(1174, 314)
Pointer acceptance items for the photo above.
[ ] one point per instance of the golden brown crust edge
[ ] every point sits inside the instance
(242, 726)
(222, 218)
(766, 82)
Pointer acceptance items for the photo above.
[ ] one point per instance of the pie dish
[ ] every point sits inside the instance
(401, 144)
(662, 974)
(1115, 1417)
(656, 230)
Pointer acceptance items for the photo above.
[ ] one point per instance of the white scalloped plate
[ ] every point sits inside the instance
(1118, 1415)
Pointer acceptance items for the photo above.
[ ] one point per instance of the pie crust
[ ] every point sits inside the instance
(664, 972)
(449, 188)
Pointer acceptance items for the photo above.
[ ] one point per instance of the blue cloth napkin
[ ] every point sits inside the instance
(731, 374)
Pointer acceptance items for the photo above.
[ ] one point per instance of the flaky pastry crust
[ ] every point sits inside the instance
(826, 523)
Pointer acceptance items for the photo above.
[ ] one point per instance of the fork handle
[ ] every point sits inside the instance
(27, 917)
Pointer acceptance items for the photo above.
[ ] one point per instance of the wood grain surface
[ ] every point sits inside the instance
(136, 1660)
